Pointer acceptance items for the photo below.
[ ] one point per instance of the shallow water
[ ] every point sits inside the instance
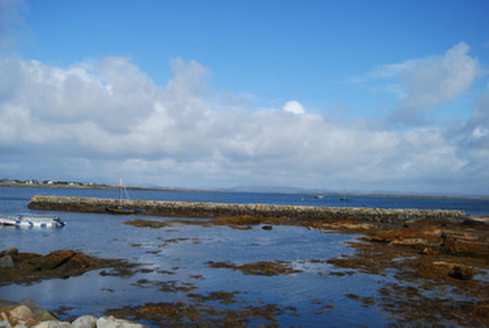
(177, 255)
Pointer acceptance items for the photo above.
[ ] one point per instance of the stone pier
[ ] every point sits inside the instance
(286, 213)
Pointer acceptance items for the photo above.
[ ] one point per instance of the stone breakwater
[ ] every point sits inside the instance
(286, 213)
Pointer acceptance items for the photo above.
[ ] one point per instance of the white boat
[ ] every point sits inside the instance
(32, 221)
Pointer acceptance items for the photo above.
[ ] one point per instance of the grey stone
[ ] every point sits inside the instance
(111, 322)
(87, 321)
(5, 324)
(6, 262)
(53, 324)
(38, 313)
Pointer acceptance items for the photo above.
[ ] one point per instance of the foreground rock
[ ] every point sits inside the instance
(28, 314)
(28, 268)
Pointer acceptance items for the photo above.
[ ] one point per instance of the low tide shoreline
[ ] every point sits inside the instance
(426, 255)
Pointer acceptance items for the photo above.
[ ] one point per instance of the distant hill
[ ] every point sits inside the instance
(282, 189)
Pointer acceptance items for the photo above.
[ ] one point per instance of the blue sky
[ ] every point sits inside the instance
(367, 96)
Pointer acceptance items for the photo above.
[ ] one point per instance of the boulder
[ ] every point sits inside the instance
(456, 270)
(38, 313)
(24, 313)
(19, 315)
(462, 272)
(4, 323)
(87, 321)
(6, 262)
(53, 324)
(27, 314)
(111, 322)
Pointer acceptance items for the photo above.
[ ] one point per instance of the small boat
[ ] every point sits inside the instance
(344, 197)
(119, 208)
(32, 221)
(319, 196)
(122, 210)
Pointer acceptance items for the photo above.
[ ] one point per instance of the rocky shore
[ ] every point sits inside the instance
(27, 313)
(29, 268)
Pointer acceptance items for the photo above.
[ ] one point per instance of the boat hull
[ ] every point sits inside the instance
(31, 222)
(121, 210)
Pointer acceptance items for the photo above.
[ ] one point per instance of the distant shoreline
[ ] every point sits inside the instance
(98, 187)
(93, 186)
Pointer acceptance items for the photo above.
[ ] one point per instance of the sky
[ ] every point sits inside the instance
(368, 96)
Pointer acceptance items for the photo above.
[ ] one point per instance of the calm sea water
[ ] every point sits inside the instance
(472, 206)
(177, 255)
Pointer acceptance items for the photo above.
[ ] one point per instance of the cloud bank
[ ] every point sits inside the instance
(102, 119)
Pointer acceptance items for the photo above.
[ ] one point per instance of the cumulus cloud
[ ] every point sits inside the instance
(104, 119)
(294, 107)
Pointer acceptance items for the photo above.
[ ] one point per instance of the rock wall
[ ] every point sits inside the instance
(286, 213)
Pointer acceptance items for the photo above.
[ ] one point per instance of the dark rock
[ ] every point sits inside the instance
(10, 251)
(474, 223)
(267, 227)
(462, 273)
(30, 268)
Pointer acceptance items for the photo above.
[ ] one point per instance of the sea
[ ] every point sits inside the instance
(179, 255)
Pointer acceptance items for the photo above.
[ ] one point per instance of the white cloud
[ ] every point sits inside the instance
(104, 119)
(294, 107)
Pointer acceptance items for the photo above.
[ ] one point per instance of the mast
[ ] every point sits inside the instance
(120, 192)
